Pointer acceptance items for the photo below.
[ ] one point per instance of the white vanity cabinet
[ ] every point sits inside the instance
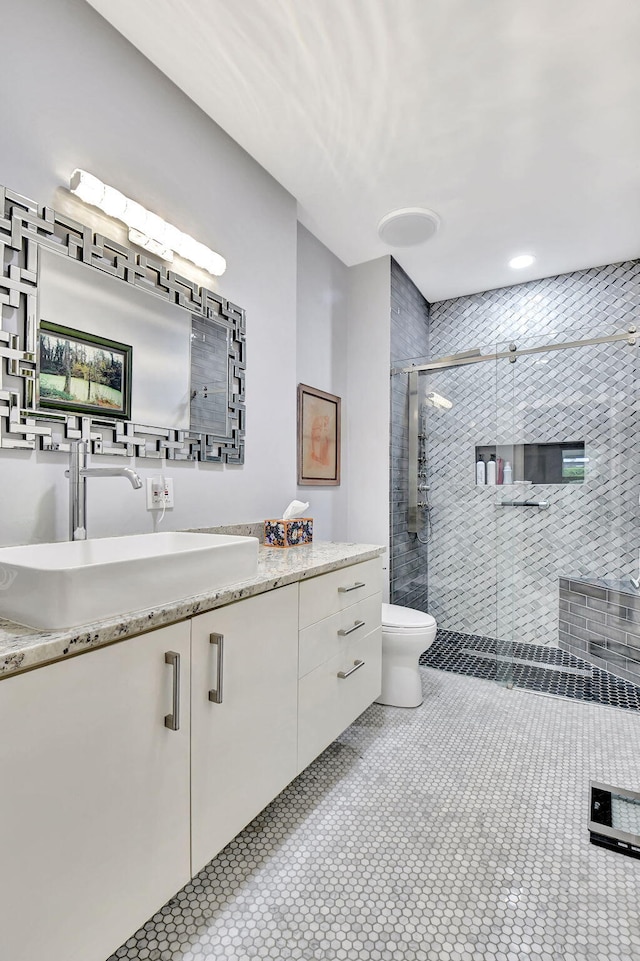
(120, 777)
(340, 653)
(243, 714)
(94, 797)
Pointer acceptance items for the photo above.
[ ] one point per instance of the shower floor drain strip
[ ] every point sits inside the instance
(522, 662)
(564, 674)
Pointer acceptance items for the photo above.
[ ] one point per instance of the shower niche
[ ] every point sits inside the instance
(554, 463)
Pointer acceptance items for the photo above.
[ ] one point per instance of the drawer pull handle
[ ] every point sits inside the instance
(349, 630)
(356, 666)
(215, 694)
(172, 721)
(354, 587)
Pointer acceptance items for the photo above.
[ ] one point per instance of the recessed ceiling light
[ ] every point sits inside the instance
(522, 260)
(408, 226)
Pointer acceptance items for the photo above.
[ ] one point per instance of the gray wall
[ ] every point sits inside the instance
(495, 571)
(322, 330)
(409, 340)
(78, 94)
(366, 431)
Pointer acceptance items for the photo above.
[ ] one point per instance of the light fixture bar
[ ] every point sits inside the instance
(146, 229)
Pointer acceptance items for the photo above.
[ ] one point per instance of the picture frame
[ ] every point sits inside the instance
(82, 373)
(318, 437)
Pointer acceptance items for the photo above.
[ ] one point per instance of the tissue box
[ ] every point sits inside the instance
(293, 533)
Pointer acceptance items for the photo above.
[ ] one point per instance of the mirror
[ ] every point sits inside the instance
(103, 343)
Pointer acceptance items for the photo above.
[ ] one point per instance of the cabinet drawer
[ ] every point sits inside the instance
(322, 641)
(329, 593)
(328, 704)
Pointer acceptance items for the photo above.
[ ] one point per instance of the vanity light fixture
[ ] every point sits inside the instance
(146, 229)
(522, 260)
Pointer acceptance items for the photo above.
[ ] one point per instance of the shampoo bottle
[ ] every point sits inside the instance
(480, 471)
(491, 470)
(508, 474)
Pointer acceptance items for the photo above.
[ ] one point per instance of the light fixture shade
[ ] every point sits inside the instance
(114, 203)
(146, 229)
(87, 187)
(148, 243)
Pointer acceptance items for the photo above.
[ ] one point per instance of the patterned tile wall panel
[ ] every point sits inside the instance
(492, 570)
(409, 339)
(602, 625)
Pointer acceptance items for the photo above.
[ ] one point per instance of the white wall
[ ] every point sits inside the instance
(367, 439)
(321, 361)
(77, 94)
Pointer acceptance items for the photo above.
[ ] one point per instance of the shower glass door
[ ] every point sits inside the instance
(566, 426)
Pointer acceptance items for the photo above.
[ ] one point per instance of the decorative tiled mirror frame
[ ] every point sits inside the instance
(24, 229)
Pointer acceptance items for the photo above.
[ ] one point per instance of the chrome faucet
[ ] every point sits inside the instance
(77, 474)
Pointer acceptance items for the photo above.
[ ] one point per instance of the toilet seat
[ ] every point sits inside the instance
(405, 619)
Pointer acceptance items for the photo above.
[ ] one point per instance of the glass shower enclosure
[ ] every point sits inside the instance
(522, 572)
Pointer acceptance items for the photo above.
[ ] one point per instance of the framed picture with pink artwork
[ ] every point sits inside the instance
(318, 437)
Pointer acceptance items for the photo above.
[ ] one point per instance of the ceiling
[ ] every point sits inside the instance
(518, 122)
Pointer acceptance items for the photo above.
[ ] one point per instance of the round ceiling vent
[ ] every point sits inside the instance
(408, 226)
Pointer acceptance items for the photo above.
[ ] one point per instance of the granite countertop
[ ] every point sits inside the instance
(23, 647)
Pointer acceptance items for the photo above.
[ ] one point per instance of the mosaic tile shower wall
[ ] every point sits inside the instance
(409, 339)
(494, 571)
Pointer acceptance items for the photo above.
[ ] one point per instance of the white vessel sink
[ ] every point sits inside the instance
(54, 586)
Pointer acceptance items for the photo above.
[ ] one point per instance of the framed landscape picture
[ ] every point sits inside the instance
(318, 437)
(83, 373)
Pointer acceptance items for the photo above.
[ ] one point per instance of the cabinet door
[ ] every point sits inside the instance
(244, 747)
(94, 798)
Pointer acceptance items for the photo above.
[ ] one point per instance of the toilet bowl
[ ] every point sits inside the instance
(405, 635)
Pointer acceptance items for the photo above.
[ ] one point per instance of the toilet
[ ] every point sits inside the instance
(405, 635)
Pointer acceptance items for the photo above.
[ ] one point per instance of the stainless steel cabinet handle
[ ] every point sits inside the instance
(354, 587)
(215, 694)
(172, 721)
(343, 633)
(356, 666)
